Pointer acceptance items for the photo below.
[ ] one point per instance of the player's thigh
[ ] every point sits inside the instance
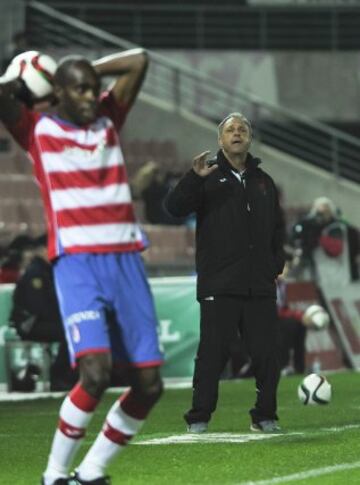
(95, 368)
(135, 314)
(146, 380)
(82, 306)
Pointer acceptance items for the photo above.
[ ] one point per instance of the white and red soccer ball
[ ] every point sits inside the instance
(317, 316)
(35, 69)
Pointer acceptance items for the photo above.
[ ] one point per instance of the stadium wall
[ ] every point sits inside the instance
(12, 20)
(322, 85)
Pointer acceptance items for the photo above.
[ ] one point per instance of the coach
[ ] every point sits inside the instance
(239, 253)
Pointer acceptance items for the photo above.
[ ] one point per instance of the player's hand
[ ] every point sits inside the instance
(200, 165)
(23, 93)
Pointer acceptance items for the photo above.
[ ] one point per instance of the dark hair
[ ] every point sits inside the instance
(65, 65)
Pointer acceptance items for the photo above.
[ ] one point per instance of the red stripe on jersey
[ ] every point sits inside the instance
(45, 194)
(82, 400)
(100, 177)
(107, 248)
(71, 431)
(55, 144)
(115, 435)
(106, 214)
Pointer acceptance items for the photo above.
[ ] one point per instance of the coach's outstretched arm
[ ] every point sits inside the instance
(131, 68)
(10, 106)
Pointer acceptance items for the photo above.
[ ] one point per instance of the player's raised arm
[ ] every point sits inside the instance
(130, 67)
(10, 106)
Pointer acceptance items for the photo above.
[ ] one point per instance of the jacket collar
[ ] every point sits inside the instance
(251, 163)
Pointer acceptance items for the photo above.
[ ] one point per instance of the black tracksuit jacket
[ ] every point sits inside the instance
(239, 231)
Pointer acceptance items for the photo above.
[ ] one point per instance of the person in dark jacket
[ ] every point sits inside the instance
(239, 253)
(36, 315)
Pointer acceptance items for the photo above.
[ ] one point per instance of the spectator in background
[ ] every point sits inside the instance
(151, 184)
(323, 227)
(36, 315)
(15, 258)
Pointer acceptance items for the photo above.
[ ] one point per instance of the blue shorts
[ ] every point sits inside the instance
(107, 306)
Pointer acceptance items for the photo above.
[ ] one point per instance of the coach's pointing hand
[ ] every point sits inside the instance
(200, 165)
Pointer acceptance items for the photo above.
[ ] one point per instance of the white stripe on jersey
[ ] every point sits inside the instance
(74, 159)
(93, 235)
(90, 197)
(89, 136)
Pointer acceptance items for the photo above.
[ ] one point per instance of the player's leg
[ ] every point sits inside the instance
(260, 331)
(89, 344)
(123, 422)
(219, 319)
(134, 342)
(76, 413)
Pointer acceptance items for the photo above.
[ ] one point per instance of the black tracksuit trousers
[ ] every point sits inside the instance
(222, 317)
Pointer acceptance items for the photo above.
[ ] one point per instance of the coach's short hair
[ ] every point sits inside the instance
(238, 115)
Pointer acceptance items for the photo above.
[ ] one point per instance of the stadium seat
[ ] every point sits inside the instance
(169, 247)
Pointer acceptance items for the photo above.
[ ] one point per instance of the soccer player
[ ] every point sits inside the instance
(94, 244)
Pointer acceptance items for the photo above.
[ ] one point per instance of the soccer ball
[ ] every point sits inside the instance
(314, 389)
(318, 316)
(35, 69)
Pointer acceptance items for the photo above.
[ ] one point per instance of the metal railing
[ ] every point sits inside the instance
(185, 25)
(189, 90)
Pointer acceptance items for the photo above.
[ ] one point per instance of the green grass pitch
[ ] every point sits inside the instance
(320, 444)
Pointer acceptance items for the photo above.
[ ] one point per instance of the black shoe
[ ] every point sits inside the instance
(266, 426)
(75, 480)
(60, 481)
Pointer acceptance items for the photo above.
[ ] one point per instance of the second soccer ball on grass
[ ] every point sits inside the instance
(314, 389)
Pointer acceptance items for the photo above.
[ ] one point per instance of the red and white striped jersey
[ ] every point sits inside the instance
(83, 181)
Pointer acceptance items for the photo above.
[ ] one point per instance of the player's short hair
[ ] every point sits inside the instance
(65, 65)
(235, 114)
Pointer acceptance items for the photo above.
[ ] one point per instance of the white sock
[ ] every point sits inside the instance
(75, 414)
(117, 431)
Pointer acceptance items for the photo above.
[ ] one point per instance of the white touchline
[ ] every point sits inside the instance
(205, 438)
(316, 472)
(208, 438)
